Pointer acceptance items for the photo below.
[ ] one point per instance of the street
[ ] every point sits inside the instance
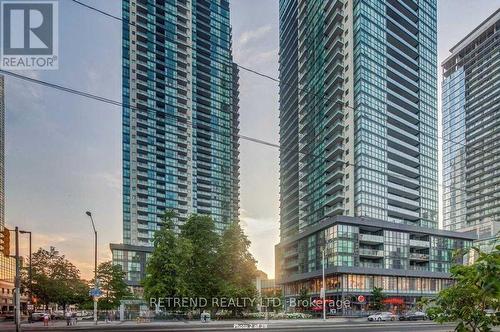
(273, 325)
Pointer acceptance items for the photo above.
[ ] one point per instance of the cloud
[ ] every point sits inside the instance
(252, 35)
(264, 60)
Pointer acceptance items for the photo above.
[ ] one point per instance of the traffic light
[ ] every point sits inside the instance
(5, 241)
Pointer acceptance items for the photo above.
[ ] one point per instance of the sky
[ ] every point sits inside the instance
(63, 152)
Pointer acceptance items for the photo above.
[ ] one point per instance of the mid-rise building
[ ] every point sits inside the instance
(407, 262)
(180, 120)
(471, 132)
(358, 122)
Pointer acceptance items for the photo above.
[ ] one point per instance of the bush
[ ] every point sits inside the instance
(281, 315)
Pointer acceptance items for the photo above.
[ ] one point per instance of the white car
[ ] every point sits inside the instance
(379, 316)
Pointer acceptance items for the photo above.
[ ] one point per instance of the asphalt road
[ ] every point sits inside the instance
(269, 326)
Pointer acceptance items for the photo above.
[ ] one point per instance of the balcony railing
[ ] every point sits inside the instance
(419, 256)
(371, 238)
(419, 243)
(371, 265)
(371, 252)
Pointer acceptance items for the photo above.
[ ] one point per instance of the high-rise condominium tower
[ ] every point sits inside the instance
(358, 111)
(358, 158)
(471, 133)
(7, 264)
(180, 122)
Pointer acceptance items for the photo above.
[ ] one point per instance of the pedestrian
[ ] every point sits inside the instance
(68, 318)
(46, 319)
(73, 318)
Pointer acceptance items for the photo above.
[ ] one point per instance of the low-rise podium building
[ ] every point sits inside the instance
(407, 262)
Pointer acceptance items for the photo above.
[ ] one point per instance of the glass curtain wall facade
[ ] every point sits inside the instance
(454, 190)
(358, 112)
(7, 264)
(360, 253)
(395, 99)
(471, 119)
(180, 120)
(358, 124)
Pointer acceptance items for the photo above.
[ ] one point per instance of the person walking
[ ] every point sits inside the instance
(68, 318)
(46, 318)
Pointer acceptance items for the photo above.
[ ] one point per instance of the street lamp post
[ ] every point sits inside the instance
(17, 298)
(324, 288)
(88, 213)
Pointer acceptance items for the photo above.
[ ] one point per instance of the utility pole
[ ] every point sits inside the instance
(18, 284)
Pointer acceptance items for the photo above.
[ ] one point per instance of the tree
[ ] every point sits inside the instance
(304, 300)
(166, 268)
(203, 274)
(476, 290)
(377, 298)
(237, 267)
(56, 279)
(200, 263)
(273, 299)
(111, 279)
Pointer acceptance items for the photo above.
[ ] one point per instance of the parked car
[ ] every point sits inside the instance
(37, 316)
(415, 315)
(379, 316)
(57, 315)
(7, 316)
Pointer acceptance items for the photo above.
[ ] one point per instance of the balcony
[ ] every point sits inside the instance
(405, 214)
(334, 186)
(403, 202)
(331, 200)
(403, 180)
(369, 238)
(334, 164)
(394, 188)
(291, 264)
(291, 252)
(334, 210)
(419, 243)
(402, 169)
(419, 257)
(371, 252)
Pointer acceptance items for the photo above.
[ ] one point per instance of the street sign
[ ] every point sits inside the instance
(95, 292)
(361, 298)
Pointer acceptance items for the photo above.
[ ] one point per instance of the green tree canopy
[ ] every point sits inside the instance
(237, 267)
(200, 262)
(474, 300)
(377, 298)
(202, 277)
(111, 282)
(56, 279)
(167, 266)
